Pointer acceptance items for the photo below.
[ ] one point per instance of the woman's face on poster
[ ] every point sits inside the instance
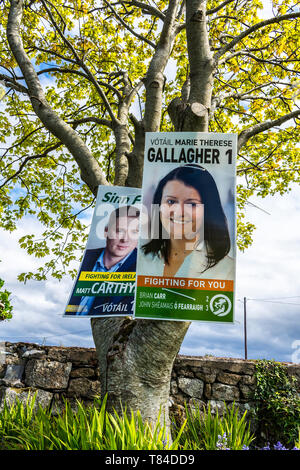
(181, 211)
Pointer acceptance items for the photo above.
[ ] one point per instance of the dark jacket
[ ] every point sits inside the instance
(91, 257)
(106, 305)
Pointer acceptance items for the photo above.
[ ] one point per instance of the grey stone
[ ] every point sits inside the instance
(248, 380)
(225, 392)
(74, 373)
(13, 375)
(207, 374)
(245, 407)
(216, 407)
(11, 396)
(49, 375)
(246, 391)
(226, 364)
(173, 387)
(196, 404)
(220, 406)
(86, 372)
(2, 354)
(208, 391)
(59, 405)
(192, 387)
(83, 387)
(33, 353)
(77, 356)
(2, 370)
(228, 379)
(185, 373)
(11, 358)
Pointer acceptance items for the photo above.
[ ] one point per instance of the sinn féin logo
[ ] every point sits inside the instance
(220, 305)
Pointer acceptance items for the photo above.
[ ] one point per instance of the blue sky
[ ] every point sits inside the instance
(267, 275)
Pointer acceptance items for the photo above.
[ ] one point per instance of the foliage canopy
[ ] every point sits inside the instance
(92, 63)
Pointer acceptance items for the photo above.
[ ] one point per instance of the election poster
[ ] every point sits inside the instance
(186, 251)
(105, 285)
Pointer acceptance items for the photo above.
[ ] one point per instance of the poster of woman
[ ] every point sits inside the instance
(186, 251)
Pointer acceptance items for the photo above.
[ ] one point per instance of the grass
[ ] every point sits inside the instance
(210, 431)
(26, 427)
(86, 429)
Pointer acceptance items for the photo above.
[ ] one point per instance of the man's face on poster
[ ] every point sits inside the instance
(122, 236)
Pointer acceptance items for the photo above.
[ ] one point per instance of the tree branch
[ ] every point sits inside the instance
(27, 159)
(191, 112)
(17, 144)
(274, 62)
(56, 54)
(246, 95)
(12, 83)
(81, 63)
(131, 95)
(58, 29)
(147, 9)
(245, 135)
(131, 30)
(219, 7)
(90, 170)
(101, 122)
(80, 73)
(252, 29)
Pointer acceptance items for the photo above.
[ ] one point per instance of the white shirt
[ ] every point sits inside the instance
(192, 266)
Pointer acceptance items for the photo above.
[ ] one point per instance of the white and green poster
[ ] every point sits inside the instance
(186, 252)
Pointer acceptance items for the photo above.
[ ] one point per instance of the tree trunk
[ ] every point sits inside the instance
(136, 357)
(135, 361)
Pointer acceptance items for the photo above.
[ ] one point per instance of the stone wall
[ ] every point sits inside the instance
(215, 381)
(55, 373)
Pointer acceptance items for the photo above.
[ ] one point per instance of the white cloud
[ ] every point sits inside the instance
(38, 306)
(267, 270)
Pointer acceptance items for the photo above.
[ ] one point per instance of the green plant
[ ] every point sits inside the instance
(210, 431)
(277, 403)
(125, 432)
(15, 417)
(5, 305)
(297, 442)
(90, 428)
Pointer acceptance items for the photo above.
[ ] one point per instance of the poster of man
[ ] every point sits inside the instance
(105, 284)
(186, 254)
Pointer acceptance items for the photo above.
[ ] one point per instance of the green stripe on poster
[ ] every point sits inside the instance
(184, 304)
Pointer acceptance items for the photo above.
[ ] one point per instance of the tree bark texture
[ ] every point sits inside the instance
(191, 111)
(136, 359)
